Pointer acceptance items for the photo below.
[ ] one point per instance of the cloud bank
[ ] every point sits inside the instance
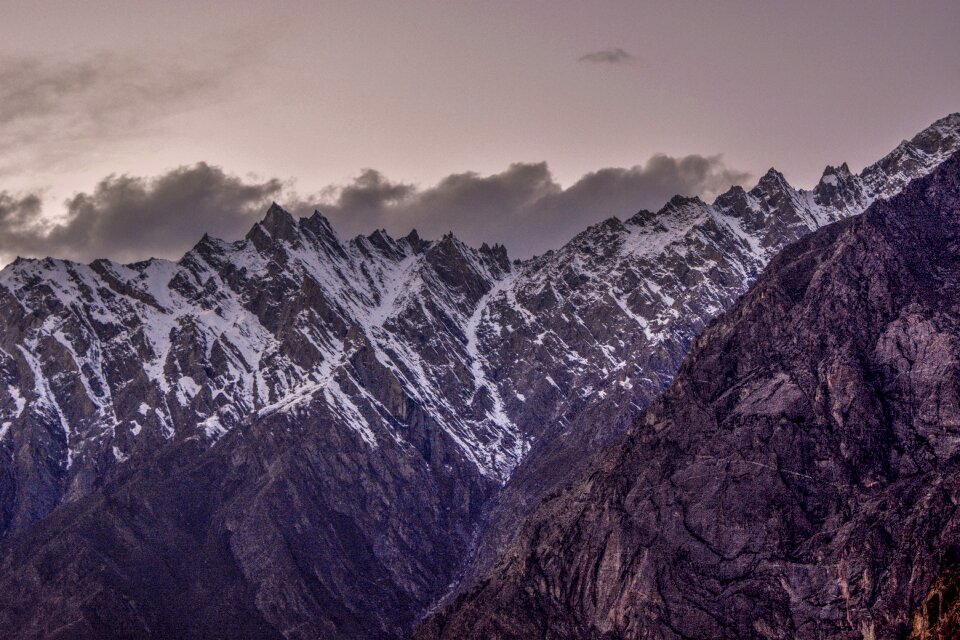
(522, 207)
(130, 218)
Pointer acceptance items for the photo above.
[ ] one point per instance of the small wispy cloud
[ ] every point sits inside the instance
(56, 109)
(615, 55)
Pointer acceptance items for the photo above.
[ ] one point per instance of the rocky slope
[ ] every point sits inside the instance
(332, 424)
(799, 479)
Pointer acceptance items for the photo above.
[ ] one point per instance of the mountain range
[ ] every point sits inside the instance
(295, 435)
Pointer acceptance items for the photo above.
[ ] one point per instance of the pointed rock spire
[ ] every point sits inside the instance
(733, 200)
(833, 175)
(456, 266)
(496, 257)
(207, 246)
(279, 223)
(681, 206)
(772, 181)
(319, 224)
(642, 217)
(417, 244)
(838, 188)
(385, 244)
(682, 201)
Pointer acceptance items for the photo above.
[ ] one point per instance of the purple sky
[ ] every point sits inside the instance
(293, 100)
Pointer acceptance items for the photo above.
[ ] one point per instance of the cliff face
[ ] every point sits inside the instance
(798, 479)
(938, 617)
(104, 362)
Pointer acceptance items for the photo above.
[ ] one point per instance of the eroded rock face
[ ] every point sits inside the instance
(273, 436)
(799, 479)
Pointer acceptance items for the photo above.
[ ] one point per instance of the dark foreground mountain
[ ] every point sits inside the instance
(799, 479)
(300, 435)
(611, 315)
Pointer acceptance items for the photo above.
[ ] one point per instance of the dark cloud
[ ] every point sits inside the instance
(522, 207)
(615, 55)
(129, 218)
(54, 108)
(21, 224)
(371, 192)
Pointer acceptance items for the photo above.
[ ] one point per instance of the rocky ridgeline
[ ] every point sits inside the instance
(340, 411)
(104, 362)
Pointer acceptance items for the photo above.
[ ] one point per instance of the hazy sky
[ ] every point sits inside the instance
(129, 128)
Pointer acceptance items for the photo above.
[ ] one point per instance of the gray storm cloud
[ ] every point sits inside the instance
(21, 224)
(129, 218)
(522, 207)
